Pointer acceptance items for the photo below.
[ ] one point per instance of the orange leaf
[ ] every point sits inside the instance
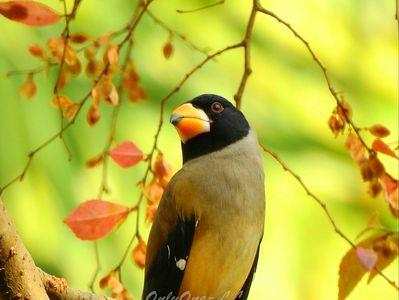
(112, 281)
(28, 88)
(29, 12)
(126, 154)
(379, 131)
(344, 110)
(93, 115)
(37, 51)
(336, 124)
(93, 68)
(112, 55)
(79, 38)
(94, 219)
(94, 161)
(154, 191)
(162, 170)
(376, 166)
(139, 254)
(150, 212)
(351, 268)
(167, 50)
(355, 148)
(391, 192)
(380, 146)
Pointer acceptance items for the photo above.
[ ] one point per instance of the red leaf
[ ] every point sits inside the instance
(367, 257)
(29, 12)
(380, 146)
(94, 219)
(126, 154)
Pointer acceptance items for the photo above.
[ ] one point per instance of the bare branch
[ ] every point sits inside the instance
(247, 54)
(181, 11)
(333, 92)
(175, 33)
(323, 206)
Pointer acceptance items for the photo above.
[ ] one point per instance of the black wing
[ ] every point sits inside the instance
(243, 295)
(165, 274)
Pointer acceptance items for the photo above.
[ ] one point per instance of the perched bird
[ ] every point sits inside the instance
(205, 238)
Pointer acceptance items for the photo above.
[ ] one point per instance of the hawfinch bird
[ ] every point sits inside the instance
(204, 242)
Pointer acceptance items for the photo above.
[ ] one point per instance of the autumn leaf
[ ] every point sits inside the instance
(94, 68)
(380, 146)
(131, 84)
(138, 254)
(126, 154)
(37, 51)
(28, 88)
(168, 49)
(93, 115)
(118, 290)
(363, 258)
(68, 107)
(336, 124)
(94, 161)
(154, 191)
(367, 257)
(79, 38)
(344, 110)
(351, 269)
(372, 223)
(162, 170)
(391, 192)
(379, 131)
(355, 148)
(94, 219)
(150, 212)
(29, 12)
(387, 249)
(112, 55)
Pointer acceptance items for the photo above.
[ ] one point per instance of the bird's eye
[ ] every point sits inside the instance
(217, 107)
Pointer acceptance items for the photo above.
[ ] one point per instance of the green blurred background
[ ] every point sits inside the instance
(286, 101)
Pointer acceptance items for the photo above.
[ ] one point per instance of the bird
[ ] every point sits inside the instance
(205, 239)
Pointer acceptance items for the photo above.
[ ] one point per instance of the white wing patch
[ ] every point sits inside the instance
(181, 264)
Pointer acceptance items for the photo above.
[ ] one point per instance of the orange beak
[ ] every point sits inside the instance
(189, 121)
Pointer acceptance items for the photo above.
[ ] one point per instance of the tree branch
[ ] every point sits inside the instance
(247, 54)
(19, 276)
(323, 206)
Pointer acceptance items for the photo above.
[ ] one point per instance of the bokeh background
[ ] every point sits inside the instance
(286, 101)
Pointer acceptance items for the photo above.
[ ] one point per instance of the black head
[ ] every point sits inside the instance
(208, 123)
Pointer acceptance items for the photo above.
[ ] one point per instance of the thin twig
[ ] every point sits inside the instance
(333, 92)
(98, 266)
(175, 33)
(181, 11)
(323, 206)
